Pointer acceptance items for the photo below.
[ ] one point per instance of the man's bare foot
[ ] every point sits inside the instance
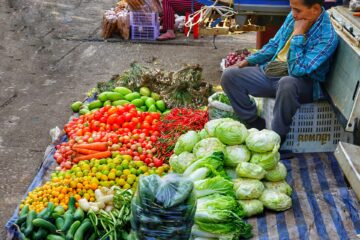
(167, 36)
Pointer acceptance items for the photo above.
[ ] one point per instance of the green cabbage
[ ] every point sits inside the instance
(231, 133)
(213, 163)
(248, 188)
(207, 147)
(235, 154)
(251, 130)
(281, 186)
(250, 170)
(231, 173)
(181, 162)
(203, 134)
(199, 174)
(267, 160)
(216, 208)
(263, 141)
(275, 200)
(213, 185)
(212, 124)
(186, 142)
(277, 174)
(251, 207)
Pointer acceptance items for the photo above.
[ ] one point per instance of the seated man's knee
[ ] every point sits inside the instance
(287, 84)
(228, 76)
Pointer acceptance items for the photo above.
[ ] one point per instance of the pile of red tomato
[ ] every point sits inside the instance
(125, 129)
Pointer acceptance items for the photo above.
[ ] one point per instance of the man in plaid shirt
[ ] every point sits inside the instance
(289, 68)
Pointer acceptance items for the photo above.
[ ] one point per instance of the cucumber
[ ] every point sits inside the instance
(107, 103)
(72, 230)
(93, 236)
(132, 96)
(103, 96)
(152, 108)
(40, 234)
(21, 220)
(123, 90)
(22, 236)
(71, 204)
(84, 111)
(59, 223)
(160, 104)
(120, 103)
(95, 104)
(54, 237)
(58, 212)
(137, 102)
(29, 224)
(114, 96)
(41, 223)
(24, 210)
(68, 220)
(149, 102)
(79, 214)
(144, 108)
(80, 232)
(75, 106)
(46, 212)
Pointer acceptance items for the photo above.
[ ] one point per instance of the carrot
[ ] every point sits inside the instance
(357, 14)
(85, 151)
(91, 156)
(97, 146)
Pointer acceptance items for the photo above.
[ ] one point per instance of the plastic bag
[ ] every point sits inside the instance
(354, 5)
(219, 109)
(163, 208)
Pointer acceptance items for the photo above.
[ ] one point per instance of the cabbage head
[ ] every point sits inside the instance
(203, 134)
(235, 154)
(248, 188)
(281, 186)
(251, 207)
(212, 124)
(213, 162)
(207, 147)
(267, 160)
(231, 133)
(186, 142)
(251, 130)
(231, 172)
(213, 185)
(275, 200)
(277, 174)
(181, 162)
(250, 170)
(263, 141)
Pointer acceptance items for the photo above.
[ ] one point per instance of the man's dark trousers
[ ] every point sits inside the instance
(289, 92)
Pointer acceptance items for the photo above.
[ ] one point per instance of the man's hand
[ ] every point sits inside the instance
(241, 64)
(302, 26)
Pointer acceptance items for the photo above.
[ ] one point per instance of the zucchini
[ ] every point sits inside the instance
(59, 223)
(29, 224)
(54, 237)
(68, 220)
(40, 234)
(79, 214)
(80, 232)
(41, 223)
(72, 230)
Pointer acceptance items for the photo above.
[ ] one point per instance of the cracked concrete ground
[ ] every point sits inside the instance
(51, 54)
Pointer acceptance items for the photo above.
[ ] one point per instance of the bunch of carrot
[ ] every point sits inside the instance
(87, 151)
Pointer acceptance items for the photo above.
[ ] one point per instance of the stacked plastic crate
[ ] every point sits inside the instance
(144, 26)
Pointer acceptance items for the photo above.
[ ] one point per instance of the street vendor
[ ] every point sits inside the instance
(170, 7)
(289, 68)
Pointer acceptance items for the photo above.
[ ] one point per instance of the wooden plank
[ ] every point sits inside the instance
(348, 156)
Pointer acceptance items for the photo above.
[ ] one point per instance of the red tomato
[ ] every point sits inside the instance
(158, 162)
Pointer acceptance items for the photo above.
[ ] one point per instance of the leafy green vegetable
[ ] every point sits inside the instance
(236, 154)
(199, 174)
(197, 233)
(211, 125)
(212, 162)
(250, 170)
(203, 134)
(277, 174)
(252, 207)
(248, 188)
(263, 141)
(281, 186)
(207, 147)
(213, 185)
(181, 162)
(186, 142)
(275, 200)
(231, 133)
(221, 97)
(267, 160)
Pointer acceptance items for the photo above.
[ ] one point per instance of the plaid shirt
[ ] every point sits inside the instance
(309, 55)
